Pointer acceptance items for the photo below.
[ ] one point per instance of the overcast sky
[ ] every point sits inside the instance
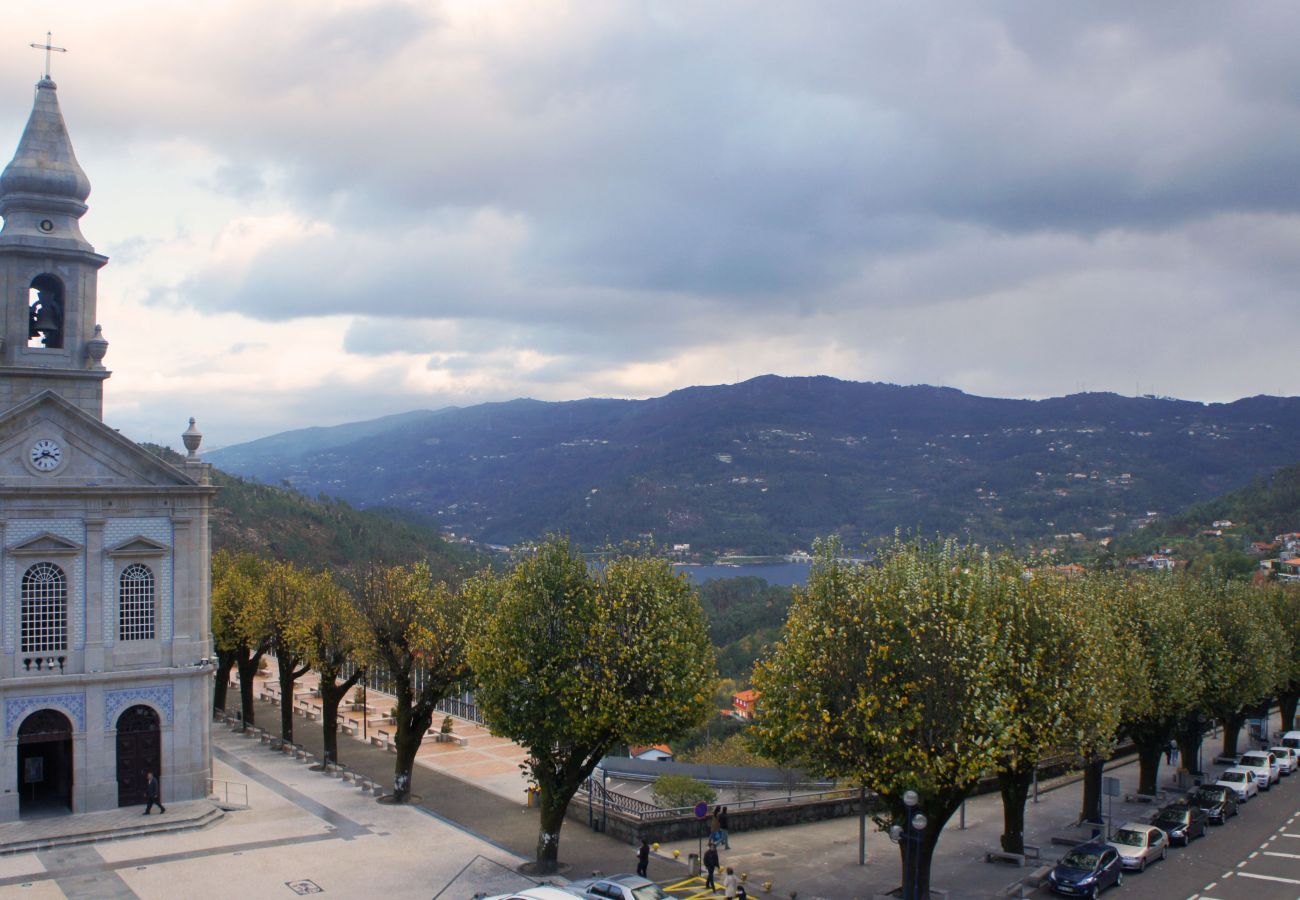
(320, 211)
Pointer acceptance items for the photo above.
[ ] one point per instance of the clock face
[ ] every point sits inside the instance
(46, 455)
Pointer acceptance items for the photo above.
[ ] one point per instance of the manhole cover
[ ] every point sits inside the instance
(304, 886)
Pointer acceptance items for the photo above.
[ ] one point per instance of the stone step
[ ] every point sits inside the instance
(93, 834)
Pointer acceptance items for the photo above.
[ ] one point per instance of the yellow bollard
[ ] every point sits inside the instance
(767, 885)
(655, 846)
(677, 854)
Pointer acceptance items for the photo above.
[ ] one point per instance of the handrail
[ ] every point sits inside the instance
(221, 792)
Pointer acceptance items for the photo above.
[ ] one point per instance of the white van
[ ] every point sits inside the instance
(1291, 739)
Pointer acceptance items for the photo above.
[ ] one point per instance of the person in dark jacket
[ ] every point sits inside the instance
(711, 864)
(722, 827)
(643, 858)
(152, 794)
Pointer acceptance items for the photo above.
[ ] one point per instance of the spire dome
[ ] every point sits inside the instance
(44, 164)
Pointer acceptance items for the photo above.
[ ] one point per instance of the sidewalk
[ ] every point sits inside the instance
(816, 860)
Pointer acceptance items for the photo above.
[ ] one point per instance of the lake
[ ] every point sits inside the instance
(772, 573)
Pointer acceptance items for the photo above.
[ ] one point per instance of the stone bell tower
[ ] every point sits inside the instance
(48, 271)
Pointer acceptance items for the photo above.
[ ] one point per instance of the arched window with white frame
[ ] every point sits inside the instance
(135, 603)
(43, 620)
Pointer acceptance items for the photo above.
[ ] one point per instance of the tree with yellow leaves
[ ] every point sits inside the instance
(238, 582)
(889, 675)
(326, 634)
(415, 630)
(569, 664)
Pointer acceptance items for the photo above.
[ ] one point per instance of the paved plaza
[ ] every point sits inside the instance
(302, 832)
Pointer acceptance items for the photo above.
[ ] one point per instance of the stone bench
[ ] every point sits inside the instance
(1016, 858)
(448, 738)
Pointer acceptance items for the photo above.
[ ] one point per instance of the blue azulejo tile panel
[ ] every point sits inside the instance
(18, 708)
(157, 696)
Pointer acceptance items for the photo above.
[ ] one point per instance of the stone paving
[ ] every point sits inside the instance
(469, 832)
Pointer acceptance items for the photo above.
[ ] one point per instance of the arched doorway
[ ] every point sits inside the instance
(45, 763)
(139, 750)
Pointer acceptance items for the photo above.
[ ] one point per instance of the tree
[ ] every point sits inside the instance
(237, 583)
(1243, 660)
(1061, 671)
(326, 636)
(1285, 599)
(279, 612)
(679, 791)
(1155, 608)
(569, 664)
(888, 676)
(415, 630)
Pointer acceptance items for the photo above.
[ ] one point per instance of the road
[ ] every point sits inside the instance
(1256, 856)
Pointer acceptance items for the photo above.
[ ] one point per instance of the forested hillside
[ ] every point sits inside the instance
(768, 465)
(279, 523)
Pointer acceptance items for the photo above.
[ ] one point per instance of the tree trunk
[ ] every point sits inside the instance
(225, 662)
(1149, 753)
(412, 722)
(1231, 731)
(1189, 739)
(552, 809)
(1014, 785)
(1287, 702)
(289, 673)
(1094, 767)
(247, 669)
(917, 855)
(331, 695)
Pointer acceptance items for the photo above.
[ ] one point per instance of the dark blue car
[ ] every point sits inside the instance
(1087, 870)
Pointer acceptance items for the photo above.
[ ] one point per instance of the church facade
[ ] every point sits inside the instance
(104, 548)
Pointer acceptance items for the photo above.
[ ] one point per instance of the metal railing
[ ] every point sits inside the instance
(228, 794)
(645, 811)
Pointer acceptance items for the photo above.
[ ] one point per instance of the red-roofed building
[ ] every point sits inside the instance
(656, 752)
(745, 704)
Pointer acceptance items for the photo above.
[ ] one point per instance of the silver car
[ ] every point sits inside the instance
(1239, 781)
(1138, 844)
(618, 887)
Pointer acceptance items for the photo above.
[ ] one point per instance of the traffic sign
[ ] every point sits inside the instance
(701, 810)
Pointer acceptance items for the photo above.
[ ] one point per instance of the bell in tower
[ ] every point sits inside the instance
(48, 270)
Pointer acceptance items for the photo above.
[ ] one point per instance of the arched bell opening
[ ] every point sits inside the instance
(45, 764)
(139, 751)
(45, 313)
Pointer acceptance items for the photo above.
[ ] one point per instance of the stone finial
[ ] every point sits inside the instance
(96, 347)
(192, 439)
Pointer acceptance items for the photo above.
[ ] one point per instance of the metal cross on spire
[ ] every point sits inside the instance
(47, 47)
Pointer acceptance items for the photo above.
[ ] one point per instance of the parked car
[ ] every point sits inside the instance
(1261, 764)
(1182, 821)
(1219, 803)
(1241, 782)
(617, 887)
(540, 892)
(1288, 759)
(1138, 843)
(1087, 870)
(1291, 739)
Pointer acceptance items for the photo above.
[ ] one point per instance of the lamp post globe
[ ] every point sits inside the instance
(919, 821)
(911, 798)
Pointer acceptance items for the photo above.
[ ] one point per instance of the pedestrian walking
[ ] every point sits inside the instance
(715, 825)
(711, 865)
(731, 883)
(643, 858)
(722, 826)
(152, 794)
(1169, 752)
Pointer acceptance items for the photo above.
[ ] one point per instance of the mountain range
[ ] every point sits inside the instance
(766, 465)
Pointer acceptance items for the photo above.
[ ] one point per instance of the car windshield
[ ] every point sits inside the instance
(1210, 795)
(1233, 776)
(1130, 838)
(649, 892)
(1079, 859)
(1252, 760)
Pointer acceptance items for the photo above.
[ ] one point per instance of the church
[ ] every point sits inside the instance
(105, 646)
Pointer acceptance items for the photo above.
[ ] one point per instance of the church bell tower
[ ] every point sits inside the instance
(50, 339)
